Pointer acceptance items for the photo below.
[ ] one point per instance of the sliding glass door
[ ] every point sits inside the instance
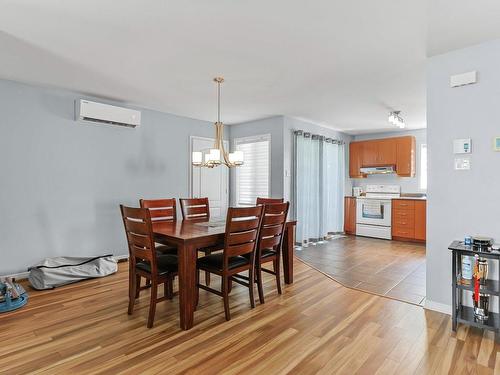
(318, 187)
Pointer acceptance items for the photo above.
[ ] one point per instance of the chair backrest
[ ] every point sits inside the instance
(161, 210)
(242, 231)
(268, 200)
(139, 232)
(195, 208)
(273, 227)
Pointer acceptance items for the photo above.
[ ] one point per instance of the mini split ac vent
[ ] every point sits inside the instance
(88, 111)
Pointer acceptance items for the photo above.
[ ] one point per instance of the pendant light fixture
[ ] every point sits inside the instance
(218, 155)
(396, 119)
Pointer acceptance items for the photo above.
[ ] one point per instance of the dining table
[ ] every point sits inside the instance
(188, 237)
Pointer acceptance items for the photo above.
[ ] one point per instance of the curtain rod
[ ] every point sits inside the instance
(318, 137)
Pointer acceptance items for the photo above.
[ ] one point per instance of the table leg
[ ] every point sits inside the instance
(287, 252)
(187, 284)
(455, 257)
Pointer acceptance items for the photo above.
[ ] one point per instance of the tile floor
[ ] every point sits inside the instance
(388, 268)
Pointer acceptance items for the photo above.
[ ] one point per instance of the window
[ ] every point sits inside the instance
(252, 178)
(423, 166)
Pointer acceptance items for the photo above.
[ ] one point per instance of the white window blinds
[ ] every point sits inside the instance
(252, 178)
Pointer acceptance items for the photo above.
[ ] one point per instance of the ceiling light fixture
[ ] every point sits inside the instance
(396, 119)
(213, 157)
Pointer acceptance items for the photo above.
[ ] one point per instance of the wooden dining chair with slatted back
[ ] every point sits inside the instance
(198, 209)
(268, 200)
(270, 242)
(238, 255)
(162, 211)
(144, 260)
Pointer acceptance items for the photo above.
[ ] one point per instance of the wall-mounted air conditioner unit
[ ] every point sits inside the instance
(85, 110)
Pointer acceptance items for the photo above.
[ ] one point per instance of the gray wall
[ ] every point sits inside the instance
(461, 202)
(408, 184)
(274, 127)
(62, 181)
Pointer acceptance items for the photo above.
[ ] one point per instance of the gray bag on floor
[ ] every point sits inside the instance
(54, 272)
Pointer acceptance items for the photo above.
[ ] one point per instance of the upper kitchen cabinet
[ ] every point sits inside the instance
(405, 165)
(387, 152)
(355, 159)
(398, 152)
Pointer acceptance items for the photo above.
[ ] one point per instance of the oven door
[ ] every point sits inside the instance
(373, 212)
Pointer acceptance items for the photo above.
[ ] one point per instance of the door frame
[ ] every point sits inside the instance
(190, 166)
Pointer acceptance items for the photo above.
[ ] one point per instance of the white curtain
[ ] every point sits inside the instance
(318, 187)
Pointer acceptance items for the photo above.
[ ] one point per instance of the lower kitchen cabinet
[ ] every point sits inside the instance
(350, 215)
(420, 220)
(408, 219)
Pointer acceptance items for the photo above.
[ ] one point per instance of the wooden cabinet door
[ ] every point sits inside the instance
(405, 156)
(370, 154)
(387, 149)
(350, 215)
(420, 220)
(355, 156)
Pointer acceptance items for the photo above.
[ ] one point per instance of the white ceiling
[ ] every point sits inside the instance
(343, 64)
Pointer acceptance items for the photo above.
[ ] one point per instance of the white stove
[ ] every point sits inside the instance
(373, 212)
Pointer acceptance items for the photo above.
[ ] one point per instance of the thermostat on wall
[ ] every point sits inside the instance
(462, 146)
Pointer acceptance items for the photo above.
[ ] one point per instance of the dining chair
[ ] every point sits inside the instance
(144, 260)
(161, 211)
(198, 209)
(268, 200)
(270, 242)
(195, 208)
(242, 232)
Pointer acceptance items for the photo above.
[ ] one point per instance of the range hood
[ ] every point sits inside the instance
(378, 170)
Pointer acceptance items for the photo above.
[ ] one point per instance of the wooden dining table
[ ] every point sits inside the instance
(188, 236)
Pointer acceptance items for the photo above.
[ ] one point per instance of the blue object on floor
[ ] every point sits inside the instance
(9, 304)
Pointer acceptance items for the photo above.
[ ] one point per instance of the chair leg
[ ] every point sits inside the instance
(225, 295)
(168, 290)
(137, 286)
(251, 277)
(207, 274)
(259, 283)
(197, 296)
(276, 268)
(152, 303)
(132, 287)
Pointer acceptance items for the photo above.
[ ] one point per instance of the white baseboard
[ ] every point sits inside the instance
(24, 275)
(18, 276)
(437, 306)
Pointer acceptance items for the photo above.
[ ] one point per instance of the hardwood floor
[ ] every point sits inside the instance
(316, 326)
(388, 268)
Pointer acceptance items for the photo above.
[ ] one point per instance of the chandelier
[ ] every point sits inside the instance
(218, 155)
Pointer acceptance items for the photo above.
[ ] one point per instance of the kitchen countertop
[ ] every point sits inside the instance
(403, 196)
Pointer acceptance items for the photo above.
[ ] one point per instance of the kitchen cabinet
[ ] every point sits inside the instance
(405, 159)
(420, 220)
(397, 151)
(370, 153)
(350, 215)
(387, 152)
(355, 155)
(408, 219)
